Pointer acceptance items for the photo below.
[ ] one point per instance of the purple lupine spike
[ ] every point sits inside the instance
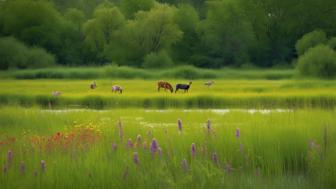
(179, 125)
(184, 165)
(193, 150)
(9, 156)
(136, 158)
(121, 131)
(214, 158)
(209, 126)
(154, 146)
(237, 133)
(43, 165)
(130, 143)
(114, 146)
(22, 167)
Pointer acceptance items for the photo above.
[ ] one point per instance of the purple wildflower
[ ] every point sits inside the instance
(214, 158)
(43, 165)
(136, 158)
(179, 125)
(114, 146)
(22, 168)
(154, 146)
(35, 173)
(130, 143)
(9, 156)
(237, 133)
(184, 165)
(193, 150)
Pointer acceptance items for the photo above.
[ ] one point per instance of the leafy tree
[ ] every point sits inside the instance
(34, 22)
(318, 61)
(310, 40)
(14, 54)
(150, 31)
(130, 7)
(227, 34)
(102, 31)
(187, 19)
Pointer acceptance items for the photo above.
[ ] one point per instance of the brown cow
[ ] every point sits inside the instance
(165, 85)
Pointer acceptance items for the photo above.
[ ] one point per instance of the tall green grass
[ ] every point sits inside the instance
(274, 149)
(144, 94)
(113, 72)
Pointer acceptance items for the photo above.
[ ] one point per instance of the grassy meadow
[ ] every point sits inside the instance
(143, 94)
(113, 148)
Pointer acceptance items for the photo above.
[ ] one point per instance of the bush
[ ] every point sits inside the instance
(39, 58)
(158, 60)
(332, 43)
(318, 61)
(14, 54)
(310, 40)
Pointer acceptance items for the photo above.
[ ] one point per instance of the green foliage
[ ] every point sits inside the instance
(319, 61)
(158, 60)
(150, 31)
(102, 31)
(39, 58)
(131, 7)
(227, 34)
(332, 43)
(14, 54)
(310, 40)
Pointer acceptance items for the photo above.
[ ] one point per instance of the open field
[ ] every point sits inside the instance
(143, 94)
(89, 149)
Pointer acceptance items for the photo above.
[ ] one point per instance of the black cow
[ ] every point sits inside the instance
(184, 87)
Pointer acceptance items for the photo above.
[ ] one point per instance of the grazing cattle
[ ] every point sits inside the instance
(56, 93)
(93, 85)
(209, 83)
(184, 87)
(116, 88)
(165, 85)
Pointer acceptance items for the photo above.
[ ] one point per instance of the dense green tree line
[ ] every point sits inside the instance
(164, 33)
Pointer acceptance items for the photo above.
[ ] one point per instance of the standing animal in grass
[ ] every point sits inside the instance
(56, 93)
(165, 85)
(116, 88)
(209, 83)
(93, 85)
(184, 87)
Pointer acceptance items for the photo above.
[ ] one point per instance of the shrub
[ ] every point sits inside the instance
(310, 40)
(158, 60)
(14, 54)
(332, 43)
(39, 58)
(318, 61)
